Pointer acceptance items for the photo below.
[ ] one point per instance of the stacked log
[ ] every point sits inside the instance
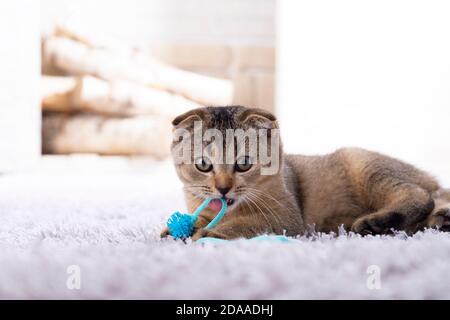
(77, 58)
(112, 98)
(115, 100)
(89, 133)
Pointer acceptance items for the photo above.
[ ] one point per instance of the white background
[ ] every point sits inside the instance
(245, 22)
(20, 110)
(374, 74)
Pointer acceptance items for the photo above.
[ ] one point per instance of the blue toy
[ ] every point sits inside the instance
(264, 237)
(181, 225)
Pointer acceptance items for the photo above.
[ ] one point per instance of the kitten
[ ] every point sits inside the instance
(366, 192)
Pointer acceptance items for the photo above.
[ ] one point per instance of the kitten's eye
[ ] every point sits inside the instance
(203, 164)
(243, 164)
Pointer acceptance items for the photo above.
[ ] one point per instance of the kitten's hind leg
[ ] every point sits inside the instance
(403, 208)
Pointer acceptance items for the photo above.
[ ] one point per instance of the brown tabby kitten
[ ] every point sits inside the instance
(366, 192)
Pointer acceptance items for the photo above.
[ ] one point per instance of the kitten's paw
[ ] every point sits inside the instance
(203, 233)
(165, 233)
(366, 225)
(440, 219)
(199, 234)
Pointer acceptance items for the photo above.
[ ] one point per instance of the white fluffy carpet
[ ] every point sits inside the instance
(108, 225)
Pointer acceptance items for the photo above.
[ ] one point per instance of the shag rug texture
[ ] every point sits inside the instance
(104, 229)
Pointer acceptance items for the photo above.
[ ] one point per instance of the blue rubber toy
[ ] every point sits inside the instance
(181, 225)
(261, 238)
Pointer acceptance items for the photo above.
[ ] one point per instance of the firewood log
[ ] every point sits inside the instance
(79, 32)
(87, 133)
(127, 98)
(117, 98)
(56, 93)
(77, 58)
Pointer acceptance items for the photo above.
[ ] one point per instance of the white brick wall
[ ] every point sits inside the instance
(249, 22)
(232, 39)
(250, 67)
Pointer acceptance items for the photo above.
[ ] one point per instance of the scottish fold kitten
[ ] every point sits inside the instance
(366, 192)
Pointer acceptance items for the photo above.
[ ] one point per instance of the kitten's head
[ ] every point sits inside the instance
(238, 147)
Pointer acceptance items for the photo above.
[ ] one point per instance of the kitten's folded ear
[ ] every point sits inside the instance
(187, 119)
(259, 118)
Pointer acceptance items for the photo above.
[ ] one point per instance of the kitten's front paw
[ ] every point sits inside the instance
(165, 233)
(203, 233)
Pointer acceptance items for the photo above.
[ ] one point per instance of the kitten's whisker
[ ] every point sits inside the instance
(197, 195)
(269, 207)
(257, 198)
(263, 202)
(250, 207)
(202, 190)
(260, 210)
(282, 206)
(245, 202)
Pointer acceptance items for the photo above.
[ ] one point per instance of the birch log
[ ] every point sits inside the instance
(77, 58)
(79, 32)
(84, 133)
(117, 98)
(127, 98)
(57, 93)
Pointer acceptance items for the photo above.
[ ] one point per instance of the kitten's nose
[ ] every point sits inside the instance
(223, 190)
